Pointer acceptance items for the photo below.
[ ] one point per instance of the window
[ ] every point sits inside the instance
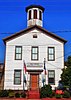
(51, 53)
(0, 75)
(35, 36)
(51, 77)
(35, 14)
(18, 53)
(34, 54)
(29, 14)
(40, 15)
(17, 77)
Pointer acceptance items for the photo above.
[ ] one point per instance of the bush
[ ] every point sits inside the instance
(46, 91)
(4, 93)
(17, 95)
(11, 94)
(58, 96)
(23, 94)
(70, 90)
(66, 94)
(53, 93)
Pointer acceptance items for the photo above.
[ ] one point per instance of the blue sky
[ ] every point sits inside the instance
(57, 19)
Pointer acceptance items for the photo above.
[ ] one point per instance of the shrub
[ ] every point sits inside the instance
(17, 95)
(53, 93)
(23, 94)
(4, 93)
(58, 96)
(70, 90)
(43, 94)
(11, 93)
(66, 88)
(60, 85)
(66, 94)
(46, 91)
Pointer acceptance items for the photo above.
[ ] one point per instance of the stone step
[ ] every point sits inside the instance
(33, 94)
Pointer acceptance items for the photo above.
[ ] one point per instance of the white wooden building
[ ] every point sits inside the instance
(37, 48)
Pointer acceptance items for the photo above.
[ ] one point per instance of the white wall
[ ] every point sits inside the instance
(27, 41)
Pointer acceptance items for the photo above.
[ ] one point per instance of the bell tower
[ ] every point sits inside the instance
(34, 15)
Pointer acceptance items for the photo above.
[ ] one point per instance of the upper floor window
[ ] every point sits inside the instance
(29, 15)
(35, 14)
(34, 53)
(0, 75)
(18, 53)
(51, 53)
(51, 77)
(35, 36)
(40, 15)
(17, 77)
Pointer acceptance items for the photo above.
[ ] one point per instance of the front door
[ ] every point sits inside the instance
(34, 81)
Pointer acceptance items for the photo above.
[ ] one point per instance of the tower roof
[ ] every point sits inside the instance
(35, 6)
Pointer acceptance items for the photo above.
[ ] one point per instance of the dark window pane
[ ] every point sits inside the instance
(35, 36)
(29, 14)
(51, 76)
(40, 15)
(0, 75)
(51, 80)
(35, 14)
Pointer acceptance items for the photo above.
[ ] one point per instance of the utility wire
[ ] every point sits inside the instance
(61, 31)
(58, 51)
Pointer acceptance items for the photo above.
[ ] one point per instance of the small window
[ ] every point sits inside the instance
(51, 77)
(35, 14)
(34, 36)
(34, 53)
(51, 53)
(0, 75)
(29, 14)
(18, 53)
(17, 77)
(40, 15)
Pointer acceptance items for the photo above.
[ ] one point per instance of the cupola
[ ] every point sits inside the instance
(34, 15)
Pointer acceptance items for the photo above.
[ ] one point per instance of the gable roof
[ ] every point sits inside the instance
(31, 28)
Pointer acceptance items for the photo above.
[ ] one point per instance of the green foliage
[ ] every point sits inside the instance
(66, 94)
(69, 61)
(4, 93)
(23, 94)
(11, 94)
(58, 96)
(66, 74)
(46, 91)
(17, 95)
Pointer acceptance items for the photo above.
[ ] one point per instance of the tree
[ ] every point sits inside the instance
(66, 74)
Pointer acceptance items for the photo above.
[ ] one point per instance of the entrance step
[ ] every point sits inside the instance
(34, 99)
(33, 94)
